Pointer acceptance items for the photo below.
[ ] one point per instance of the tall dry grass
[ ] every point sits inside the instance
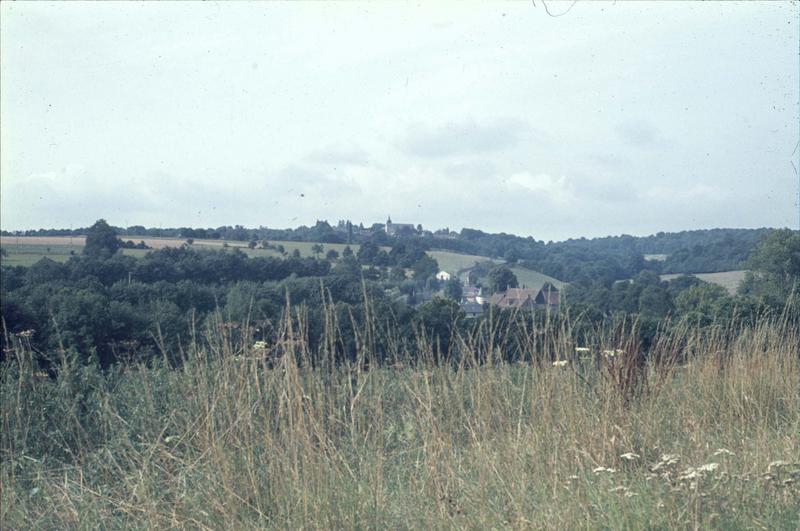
(704, 433)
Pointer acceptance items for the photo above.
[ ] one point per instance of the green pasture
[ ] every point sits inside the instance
(454, 262)
(28, 254)
(534, 279)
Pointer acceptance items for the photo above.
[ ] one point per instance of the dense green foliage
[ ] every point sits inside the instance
(775, 269)
(599, 259)
(101, 240)
(501, 278)
(109, 305)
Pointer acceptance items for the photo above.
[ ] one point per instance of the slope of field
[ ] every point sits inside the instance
(729, 280)
(533, 279)
(27, 250)
(455, 262)
(27, 254)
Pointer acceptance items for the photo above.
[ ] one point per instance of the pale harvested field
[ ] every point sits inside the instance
(729, 280)
(42, 240)
(155, 243)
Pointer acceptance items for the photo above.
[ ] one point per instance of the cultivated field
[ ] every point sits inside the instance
(704, 435)
(26, 250)
(729, 280)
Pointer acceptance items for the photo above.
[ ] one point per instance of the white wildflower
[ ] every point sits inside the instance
(723, 451)
(709, 467)
(689, 473)
(582, 349)
(602, 469)
(260, 345)
(624, 490)
(694, 473)
(667, 460)
(630, 456)
(560, 363)
(670, 459)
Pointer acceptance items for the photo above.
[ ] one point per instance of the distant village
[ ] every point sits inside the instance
(392, 229)
(474, 301)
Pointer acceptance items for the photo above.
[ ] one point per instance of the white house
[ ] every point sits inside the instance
(444, 276)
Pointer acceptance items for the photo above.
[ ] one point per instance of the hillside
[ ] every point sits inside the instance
(27, 250)
(730, 280)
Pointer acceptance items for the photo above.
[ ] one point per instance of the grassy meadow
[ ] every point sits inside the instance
(455, 262)
(534, 279)
(705, 434)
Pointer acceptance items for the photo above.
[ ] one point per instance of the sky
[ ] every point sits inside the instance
(553, 121)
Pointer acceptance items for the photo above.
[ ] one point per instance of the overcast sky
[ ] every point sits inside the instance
(613, 118)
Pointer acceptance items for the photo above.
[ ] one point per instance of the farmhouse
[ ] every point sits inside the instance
(544, 298)
(473, 294)
(443, 276)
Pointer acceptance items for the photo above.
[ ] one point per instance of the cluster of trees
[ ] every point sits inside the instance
(407, 253)
(105, 304)
(609, 258)
(772, 283)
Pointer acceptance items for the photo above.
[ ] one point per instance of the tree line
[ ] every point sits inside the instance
(105, 305)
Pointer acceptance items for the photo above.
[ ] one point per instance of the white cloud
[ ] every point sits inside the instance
(463, 138)
(697, 191)
(557, 189)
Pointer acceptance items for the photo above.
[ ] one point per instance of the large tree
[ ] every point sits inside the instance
(101, 240)
(774, 268)
(453, 289)
(501, 278)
